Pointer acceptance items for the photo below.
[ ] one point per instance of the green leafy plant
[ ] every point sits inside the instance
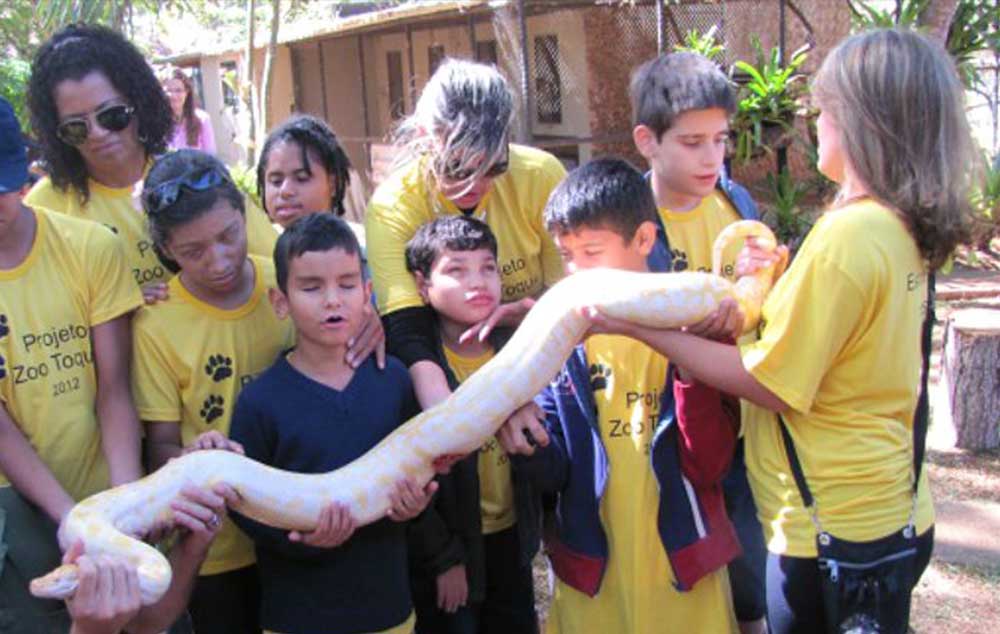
(245, 179)
(705, 44)
(768, 101)
(986, 202)
(869, 15)
(14, 74)
(785, 215)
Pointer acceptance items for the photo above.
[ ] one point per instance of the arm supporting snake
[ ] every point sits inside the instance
(106, 522)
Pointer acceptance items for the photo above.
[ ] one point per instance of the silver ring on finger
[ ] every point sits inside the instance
(214, 521)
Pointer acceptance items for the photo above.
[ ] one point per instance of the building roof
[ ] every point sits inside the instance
(304, 31)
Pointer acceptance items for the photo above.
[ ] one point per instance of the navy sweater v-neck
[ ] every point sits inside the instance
(289, 421)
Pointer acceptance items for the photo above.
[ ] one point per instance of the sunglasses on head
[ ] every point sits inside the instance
(112, 118)
(165, 194)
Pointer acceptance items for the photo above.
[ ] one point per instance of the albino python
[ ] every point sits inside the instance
(106, 522)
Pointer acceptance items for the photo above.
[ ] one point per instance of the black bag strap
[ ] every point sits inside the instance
(919, 415)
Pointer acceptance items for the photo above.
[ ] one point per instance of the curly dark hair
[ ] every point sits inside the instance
(72, 53)
(312, 133)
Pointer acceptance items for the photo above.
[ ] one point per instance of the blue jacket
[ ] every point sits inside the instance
(688, 461)
(660, 259)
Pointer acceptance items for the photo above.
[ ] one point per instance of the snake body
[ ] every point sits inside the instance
(106, 521)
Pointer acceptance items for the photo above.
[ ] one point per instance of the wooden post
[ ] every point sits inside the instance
(971, 376)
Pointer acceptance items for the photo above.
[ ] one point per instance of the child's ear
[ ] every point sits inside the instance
(368, 290)
(422, 285)
(279, 301)
(645, 237)
(644, 139)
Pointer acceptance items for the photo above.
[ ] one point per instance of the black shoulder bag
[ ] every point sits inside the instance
(866, 586)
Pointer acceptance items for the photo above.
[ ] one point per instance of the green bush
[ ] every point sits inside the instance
(14, 74)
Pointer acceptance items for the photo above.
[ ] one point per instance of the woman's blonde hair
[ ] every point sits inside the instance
(898, 102)
(461, 120)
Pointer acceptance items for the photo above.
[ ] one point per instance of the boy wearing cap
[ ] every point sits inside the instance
(68, 428)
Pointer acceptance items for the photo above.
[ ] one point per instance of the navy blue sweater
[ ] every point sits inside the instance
(291, 422)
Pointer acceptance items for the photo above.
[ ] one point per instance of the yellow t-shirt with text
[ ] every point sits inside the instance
(637, 594)
(527, 257)
(496, 490)
(692, 233)
(120, 209)
(840, 345)
(72, 279)
(190, 360)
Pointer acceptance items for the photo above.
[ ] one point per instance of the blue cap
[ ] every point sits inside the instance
(13, 153)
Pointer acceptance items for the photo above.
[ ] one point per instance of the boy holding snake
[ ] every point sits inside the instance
(312, 412)
(471, 552)
(636, 452)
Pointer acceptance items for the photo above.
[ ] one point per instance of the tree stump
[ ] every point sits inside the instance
(971, 376)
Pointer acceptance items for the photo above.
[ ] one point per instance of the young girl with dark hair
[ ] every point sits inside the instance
(194, 351)
(302, 170)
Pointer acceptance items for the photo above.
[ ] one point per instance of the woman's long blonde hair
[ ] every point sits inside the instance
(898, 102)
(461, 121)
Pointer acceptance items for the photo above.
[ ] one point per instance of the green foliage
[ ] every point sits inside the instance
(769, 99)
(785, 215)
(245, 179)
(986, 201)
(705, 44)
(14, 75)
(972, 29)
(867, 15)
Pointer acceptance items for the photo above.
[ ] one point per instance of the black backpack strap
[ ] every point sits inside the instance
(919, 416)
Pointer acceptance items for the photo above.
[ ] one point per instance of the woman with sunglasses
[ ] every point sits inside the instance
(456, 158)
(193, 352)
(101, 116)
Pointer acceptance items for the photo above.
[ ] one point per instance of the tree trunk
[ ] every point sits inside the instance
(272, 50)
(248, 83)
(971, 376)
(936, 18)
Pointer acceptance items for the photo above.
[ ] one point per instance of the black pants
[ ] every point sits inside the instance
(227, 603)
(509, 603)
(28, 549)
(794, 601)
(746, 572)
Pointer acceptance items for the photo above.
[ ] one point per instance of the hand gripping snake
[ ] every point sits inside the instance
(107, 521)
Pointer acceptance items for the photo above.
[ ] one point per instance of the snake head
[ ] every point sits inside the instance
(61, 583)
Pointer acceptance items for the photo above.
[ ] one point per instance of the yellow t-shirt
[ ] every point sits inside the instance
(692, 233)
(841, 346)
(637, 594)
(72, 280)
(513, 207)
(496, 491)
(120, 209)
(189, 362)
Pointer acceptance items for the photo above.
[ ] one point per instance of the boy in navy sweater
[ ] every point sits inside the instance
(312, 413)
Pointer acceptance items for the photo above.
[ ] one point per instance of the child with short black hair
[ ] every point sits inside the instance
(636, 453)
(355, 579)
(681, 104)
(472, 551)
(303, 169)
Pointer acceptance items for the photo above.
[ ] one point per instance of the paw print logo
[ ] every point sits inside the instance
(212, 408)
(219, 367)
(599, 376)
(3, 368)
(4, 328)
(678, 260)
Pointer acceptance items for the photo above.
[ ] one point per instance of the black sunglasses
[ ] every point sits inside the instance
(113, 119)
(165, 194)
(497, 169)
